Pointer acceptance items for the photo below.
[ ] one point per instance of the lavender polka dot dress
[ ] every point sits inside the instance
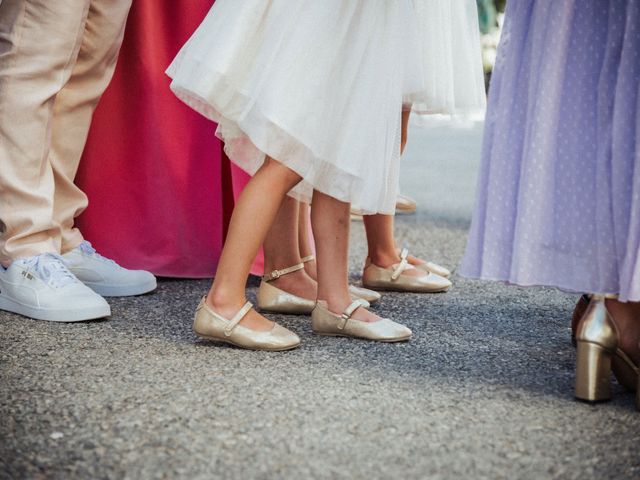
(558, 200)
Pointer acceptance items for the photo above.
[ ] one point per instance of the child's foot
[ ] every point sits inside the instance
(298, 283)
(425, 265)
(242, 327)
(361, 313)
(228, 309)
(354, 321)
(390, 259)
(396, 274)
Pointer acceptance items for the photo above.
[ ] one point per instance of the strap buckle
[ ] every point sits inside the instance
(274, 275)
(346, 315)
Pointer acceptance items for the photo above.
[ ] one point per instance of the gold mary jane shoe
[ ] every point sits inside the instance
(405, 205)
(598, 355)
(325, 322)
(210, 325)
(275, 300)
(430, 267)
(355, 215)
(361, 293)
(392, 278)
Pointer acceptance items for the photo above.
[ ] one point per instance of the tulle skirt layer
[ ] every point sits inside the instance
(559, 188)
(318, 86)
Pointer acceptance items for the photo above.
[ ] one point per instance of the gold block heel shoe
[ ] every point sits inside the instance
(325, 322)
(578, 312)
(599, 354)
(596, 343)
(210, 325)
(392, 278)
(593, 372)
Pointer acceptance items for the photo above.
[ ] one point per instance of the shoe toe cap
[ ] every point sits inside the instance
(437, 269)
(436, 282)
(282, 337)
(388, 330)
(402, 331)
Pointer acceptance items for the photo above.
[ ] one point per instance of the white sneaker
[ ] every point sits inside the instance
(42, 287)
(105, 276)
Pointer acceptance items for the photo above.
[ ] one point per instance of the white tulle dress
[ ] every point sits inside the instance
(320, 85)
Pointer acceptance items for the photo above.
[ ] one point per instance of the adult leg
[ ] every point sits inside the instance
(39, 47)
(39, 44)
(74, 107)
(607, 339)
(252, 217)
(626, 316)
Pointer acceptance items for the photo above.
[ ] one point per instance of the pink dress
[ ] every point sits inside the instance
(158, 183)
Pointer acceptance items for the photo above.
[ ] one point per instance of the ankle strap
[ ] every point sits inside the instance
(236, 318)
(346, 315)
(278, 273)
(308, 258)
(402, 266)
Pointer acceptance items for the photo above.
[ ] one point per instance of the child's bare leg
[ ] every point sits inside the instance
(381, 241)
(252, 217)
(281, 250)
(330, 219)
(305, 240)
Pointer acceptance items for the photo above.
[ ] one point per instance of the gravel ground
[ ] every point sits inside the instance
(483, 390)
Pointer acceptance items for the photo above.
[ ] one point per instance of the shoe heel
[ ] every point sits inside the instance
(593, 372)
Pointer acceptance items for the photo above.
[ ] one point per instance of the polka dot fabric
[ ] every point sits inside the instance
(558, 200)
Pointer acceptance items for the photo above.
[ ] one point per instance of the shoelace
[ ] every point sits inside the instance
(87, 249)
(50, 268)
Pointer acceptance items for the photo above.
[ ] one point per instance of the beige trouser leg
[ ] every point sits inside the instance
(75, 105)
(56, 58)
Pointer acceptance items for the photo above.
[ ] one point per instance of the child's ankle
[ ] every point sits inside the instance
(220, 299)
(384, 258)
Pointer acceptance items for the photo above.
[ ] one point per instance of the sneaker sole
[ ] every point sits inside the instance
(122, 290)
(67, 315)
